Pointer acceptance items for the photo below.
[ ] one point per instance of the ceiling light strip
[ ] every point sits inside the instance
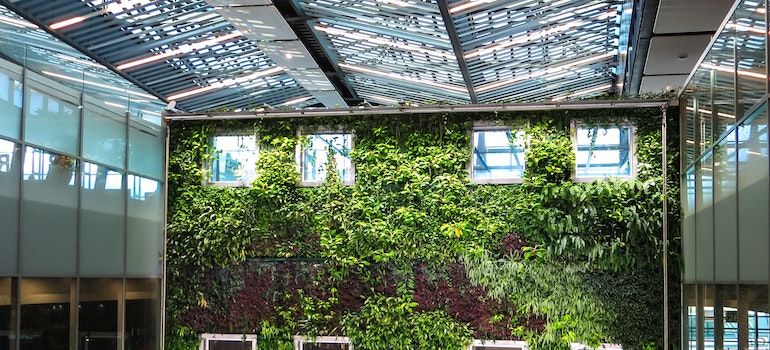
(105, 86)
(584, 92)
(182, 49)
(403, 78)
(225, 83)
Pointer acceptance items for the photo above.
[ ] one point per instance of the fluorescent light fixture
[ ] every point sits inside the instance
(382, 99)
(731, 70)
(68, 22)
(469, 4)
(295, 101)
(524, 38)
(179, 50)
(150, 112)
(709, 112)
(17, 23)
(544, 72)
(403, 78)
(740, 27)
(113, 104)
(584, 92)
(79, 61)
(105, 86)
(225, 83)
(380, 41)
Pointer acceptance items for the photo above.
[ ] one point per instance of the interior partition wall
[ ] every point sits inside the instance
(726, 189)
(81, 202)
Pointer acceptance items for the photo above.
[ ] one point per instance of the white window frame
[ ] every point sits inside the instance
(494, 126)
(576, 177)
(504, 344)
(209, 169)
(301, 340)
(604, 346)
(206, 338)
(300, 153)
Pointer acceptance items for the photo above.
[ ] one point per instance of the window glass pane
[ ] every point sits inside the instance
(145, 227)
(49, 229)
(315, 156)
(98, 313)
(10, 104)
(51, 121)
(5, 313)
(688, 225)
(235, 158)
(498, 154)
(603, 152)
(753, 198)
(104, 136)
(704, 220)
(689, 323)
(230, 345)
(725, 211)
(753, 317)
(102, 222)
(45, 313)
(142, 314)
(749, 24)
(147, 149)
(10, 177)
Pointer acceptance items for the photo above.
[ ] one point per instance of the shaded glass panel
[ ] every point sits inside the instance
(688, 132)
(144, 239)
(688, 225)
(52, 121)
(497, 155)
(603, 152)
(142, 314)
(49, 219)
(725, 211)
(104, 135)
(10, 100)
(749, 29)
(704, 220)
(10, 177)
(98, 313)
(6, 328)
(753, 198)
(146, 150)
(235, 158)
(102, 222)
(317, 152)
(45, 313)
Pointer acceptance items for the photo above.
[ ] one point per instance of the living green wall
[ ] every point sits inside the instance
(414, 255)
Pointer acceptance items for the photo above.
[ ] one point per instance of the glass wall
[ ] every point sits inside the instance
(726, 189)
(81, 200)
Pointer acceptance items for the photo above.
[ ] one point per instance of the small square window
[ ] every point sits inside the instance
(322, 343)
(315, 157)
(228, 342)
(604, 152)
(498, 155)
(234, 160)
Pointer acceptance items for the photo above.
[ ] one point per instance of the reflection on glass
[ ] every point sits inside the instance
(51, 167)
(317, 152)
(725, 210)
(146, 150)
(749, 29)
(144, 237)
(97, 177)
(235, 158)
(104, 136)
(603, 152)
(45, 313)
(10, 105)
(6, 330)
(98, 313)
(10, 162)
(52, 122)
(142, 188)
(102, 222)
(688, 226)
(142, 314)
(704, 219)
(498, 154)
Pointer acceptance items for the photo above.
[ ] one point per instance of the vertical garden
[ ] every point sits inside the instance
(414, 255)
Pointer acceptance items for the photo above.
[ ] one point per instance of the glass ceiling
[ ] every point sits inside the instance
(248, 54)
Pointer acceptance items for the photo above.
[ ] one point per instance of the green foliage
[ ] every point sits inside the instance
(550, 157)
(390, 323)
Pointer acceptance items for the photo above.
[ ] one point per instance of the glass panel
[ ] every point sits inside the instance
(688, 225)
(147, 149)
(498, 154)
(45, 313)
(690, 146)
(98, 313)
(753, 198)
(144, 248)
(235, 158)
(706, 314)
(230, 344)
(603, 152)
(142, 314)
(316, 156)
(689, 310)
(724, 321)
(748, 25)
(6, 329)
(725, 211)
(10, 177)
(10, 100)
(752, 317)
(102, 222)
(104, 135)
(49, 219)
(704, 221)
(51, 121)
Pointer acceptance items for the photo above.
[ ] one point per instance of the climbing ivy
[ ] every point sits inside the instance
(414, 240)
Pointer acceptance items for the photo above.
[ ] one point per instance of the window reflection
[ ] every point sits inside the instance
(320, 150)
(6, 332)
(498, 154)
(98, 313)
(142, 314)
(603, 152)
(45, 313)
(235, 158)
(97, 177)
(51, 167)
(142, 188)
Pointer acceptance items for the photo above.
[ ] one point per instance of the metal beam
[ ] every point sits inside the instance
(458, 49)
